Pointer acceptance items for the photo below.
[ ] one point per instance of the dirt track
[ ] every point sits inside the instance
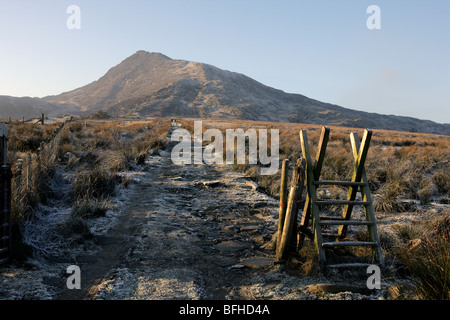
(188, 232)
(184, 232)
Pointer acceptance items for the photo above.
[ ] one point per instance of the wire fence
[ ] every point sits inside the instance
(31, 173)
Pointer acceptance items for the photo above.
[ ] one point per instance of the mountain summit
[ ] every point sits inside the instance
(152, 84)
(138, 75)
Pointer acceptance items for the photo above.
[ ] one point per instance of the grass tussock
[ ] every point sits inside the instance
(425, 253)
(96, 183)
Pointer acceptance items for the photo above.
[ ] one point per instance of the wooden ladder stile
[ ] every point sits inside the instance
(312, 206)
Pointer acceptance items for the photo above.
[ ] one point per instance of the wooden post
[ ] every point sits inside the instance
(41, 154)
(298, 179)
(29, 172)
(18, 174)
(3, 143)
(295, 193)
(317, 168)
(5, 197)
(311, 200)
(359, 161)
(283, 194)
(38, 159)
(285, 236)
(42, 118)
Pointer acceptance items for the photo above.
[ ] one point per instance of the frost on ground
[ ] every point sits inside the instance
(43, 230)
(177, 232)
(42, 275)
(27, 284)
(170, 284)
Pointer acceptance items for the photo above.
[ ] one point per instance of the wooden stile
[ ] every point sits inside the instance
(359, 181)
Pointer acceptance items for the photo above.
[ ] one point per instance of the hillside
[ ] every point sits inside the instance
(26, 107)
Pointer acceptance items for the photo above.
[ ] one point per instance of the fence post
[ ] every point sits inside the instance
(5, 198)
(290, 221)
(18, 176)
(283, 198)
(29, 172)
(38, 160)
(41, 154)
(3, 144)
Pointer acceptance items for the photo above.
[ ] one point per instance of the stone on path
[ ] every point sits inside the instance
(232, 246)
(257, 262)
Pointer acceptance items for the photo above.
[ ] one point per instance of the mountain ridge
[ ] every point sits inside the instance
(152, 84)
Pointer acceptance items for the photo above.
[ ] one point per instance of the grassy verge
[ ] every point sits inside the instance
(97, 151)
(93, 152)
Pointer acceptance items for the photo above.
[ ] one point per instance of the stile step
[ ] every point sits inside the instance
(331, 218)
(346, 222)
(338, 183)
(342, 202)
(349, 244)
(330, 234)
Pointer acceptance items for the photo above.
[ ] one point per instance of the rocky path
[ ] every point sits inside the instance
(188, 232)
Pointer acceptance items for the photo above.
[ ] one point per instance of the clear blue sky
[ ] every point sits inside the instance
(321, 49)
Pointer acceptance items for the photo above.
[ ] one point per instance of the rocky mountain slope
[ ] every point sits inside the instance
(152, 84)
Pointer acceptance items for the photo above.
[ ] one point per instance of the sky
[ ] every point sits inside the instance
(321, 49)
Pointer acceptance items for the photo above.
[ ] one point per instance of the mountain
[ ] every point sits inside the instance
(152, 84)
